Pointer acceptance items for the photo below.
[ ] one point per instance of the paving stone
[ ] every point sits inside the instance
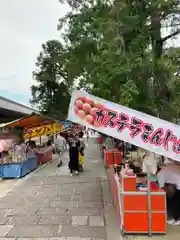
(73, 238)
(22, 211)
(58, 238)
(4, 230)
(83, 232)
(114, 233)
(51, 211)
(84, 212)
(55, 219)
(87, 198)
(79, 220)
(45, 194)
(7, 238)
(21, 191)
(37, 199)
(79, 238)
(106, 196)
(110, 219)
(90, 198)
(3, 220)
(63, 198)
(97, 205)
(4, 212)
(58, 180)
(36, 231)
(66, 190)
(63, 204)
(23, 220)
(31, 238)
(96, 221)
(35, 204)
(10, 204)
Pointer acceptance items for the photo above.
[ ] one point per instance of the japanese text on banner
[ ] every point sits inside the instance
(43, 130)
(126, 124)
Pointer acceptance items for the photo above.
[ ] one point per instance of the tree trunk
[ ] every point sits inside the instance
(157, 44)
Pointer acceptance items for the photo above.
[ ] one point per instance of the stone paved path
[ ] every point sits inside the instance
(49, 204)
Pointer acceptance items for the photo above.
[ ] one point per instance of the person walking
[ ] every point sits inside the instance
(64, 143)
(81, 150)
(74, 146)
(59, 144)
(169, 179)
(59, 147)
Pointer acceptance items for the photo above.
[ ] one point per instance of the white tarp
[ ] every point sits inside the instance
(137, 128)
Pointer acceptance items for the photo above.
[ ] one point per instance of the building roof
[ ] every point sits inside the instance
(14, 106)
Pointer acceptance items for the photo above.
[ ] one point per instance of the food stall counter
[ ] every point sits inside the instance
(19, 169)
(44, 155)
(132, 207)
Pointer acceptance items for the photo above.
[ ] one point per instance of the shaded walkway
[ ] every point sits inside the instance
(49, 204)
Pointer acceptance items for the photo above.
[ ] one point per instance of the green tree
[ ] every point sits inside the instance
(116, 50)
(51, 93)
(172, 57)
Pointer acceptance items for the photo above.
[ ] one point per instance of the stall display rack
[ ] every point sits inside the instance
(19, 170)
(44, 156)
(132, 206)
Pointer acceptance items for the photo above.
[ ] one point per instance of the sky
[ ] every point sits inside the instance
(25, 25)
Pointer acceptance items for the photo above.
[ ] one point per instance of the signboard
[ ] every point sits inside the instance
(67, 124)
(47, 129)
(126, 124)
(77, 127)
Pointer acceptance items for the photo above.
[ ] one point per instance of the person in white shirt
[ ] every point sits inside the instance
(169, 179)
(150, 163)
(59, 143)
(64, 144)
(60, 146)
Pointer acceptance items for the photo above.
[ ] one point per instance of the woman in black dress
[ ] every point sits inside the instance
(74, 145)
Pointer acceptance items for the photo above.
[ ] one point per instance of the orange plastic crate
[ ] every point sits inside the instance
(128, 183)
(112, 157)
(140, 203)
(138, 222)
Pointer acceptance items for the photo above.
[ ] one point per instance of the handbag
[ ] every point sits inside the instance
(81, 159)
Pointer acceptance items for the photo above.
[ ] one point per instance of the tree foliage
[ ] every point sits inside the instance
(51, 93)
(117, 48)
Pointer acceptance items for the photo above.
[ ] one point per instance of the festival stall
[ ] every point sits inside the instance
(138, 209)
(140, 203)
(44, 152)
(15, 158)
(19, 158)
